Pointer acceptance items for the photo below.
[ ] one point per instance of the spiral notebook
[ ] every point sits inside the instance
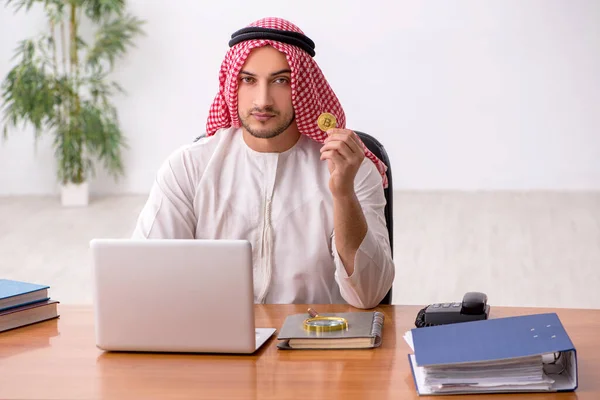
(364, 332)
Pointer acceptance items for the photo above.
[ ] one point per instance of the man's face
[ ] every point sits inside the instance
(265, 95)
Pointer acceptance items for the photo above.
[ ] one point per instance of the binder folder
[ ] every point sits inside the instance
(531, 353)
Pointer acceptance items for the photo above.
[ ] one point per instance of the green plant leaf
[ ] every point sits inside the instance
(28, 91)
(55, 11)
(18, 4)
(98, 10)
(112, 40)
(103, 138)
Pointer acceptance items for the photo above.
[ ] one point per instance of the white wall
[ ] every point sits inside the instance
(465, 95)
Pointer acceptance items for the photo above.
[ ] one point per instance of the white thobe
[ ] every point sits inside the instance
(219, 188)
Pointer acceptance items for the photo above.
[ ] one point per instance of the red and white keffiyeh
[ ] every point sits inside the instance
(311, 94)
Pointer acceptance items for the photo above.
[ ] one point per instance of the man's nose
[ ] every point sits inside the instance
(263, 97)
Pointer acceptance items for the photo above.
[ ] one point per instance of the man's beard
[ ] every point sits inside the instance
(263, 133)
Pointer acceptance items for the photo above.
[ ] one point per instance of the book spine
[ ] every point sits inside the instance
(377, 327)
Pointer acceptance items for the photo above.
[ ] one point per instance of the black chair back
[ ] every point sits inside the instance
(377, 148)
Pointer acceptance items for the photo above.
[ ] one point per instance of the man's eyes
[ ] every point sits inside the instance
(249, 79)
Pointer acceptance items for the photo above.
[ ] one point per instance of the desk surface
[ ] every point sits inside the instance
(58, 359)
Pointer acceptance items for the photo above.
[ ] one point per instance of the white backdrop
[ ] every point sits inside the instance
(465, 95)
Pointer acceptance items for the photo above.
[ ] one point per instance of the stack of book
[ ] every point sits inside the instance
(23, 303)
(529, 353)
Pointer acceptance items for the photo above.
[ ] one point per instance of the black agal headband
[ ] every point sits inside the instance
(293, 38)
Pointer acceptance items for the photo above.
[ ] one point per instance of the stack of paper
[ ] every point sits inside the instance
(522, 374)
(501, 355)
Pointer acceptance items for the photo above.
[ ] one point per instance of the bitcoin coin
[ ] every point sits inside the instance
(326, 121)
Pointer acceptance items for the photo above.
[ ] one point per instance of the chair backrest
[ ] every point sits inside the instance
(377, 148)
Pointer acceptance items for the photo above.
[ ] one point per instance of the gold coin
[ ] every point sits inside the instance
(326, 121)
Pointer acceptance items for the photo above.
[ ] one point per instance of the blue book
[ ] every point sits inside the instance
(16, 293)
(531, 353)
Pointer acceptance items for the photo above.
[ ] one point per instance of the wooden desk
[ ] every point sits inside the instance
(58, 360)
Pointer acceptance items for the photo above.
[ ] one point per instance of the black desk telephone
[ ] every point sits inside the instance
(472, 308)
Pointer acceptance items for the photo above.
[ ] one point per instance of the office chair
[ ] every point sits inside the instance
(377, 148)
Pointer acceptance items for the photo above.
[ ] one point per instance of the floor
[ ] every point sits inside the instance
(522, 249)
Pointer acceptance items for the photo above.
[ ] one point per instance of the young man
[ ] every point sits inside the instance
(310, 202)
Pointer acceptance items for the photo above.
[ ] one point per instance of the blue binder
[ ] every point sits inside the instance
(494, 340)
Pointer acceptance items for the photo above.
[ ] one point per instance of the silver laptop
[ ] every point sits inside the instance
(175, 296)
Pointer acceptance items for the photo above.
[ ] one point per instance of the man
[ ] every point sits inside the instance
(311, 203)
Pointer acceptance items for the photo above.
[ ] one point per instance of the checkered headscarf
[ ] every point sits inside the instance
(311, 94)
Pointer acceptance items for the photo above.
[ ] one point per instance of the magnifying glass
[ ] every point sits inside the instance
(317, 323)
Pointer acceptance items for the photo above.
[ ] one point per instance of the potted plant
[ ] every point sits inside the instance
(61, 85)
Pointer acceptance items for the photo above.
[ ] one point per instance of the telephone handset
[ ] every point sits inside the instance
(472, 308)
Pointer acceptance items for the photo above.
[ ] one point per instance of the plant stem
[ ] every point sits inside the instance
(54, 59)
(73, 38)
(75, 130)
(63, 47)
(55, 64)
